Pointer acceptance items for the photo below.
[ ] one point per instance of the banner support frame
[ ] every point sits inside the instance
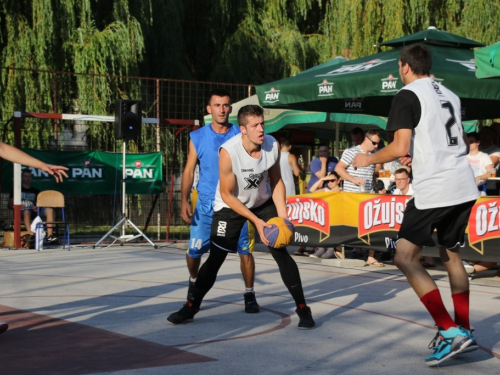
(124, 220)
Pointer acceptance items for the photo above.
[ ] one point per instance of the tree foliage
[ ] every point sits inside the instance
(238, 41)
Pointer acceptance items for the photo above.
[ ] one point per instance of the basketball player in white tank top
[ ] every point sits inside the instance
(246, 163)
(426, 120)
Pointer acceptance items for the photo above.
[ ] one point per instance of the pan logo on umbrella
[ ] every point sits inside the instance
(272, 96)
(325, 88)
(389, 84)
(356, 68)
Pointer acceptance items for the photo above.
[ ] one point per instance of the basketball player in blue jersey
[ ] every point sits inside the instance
(426, 120)
(204, 151)
(250, 188)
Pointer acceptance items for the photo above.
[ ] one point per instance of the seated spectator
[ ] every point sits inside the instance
(403, 182)
(320, 166)
(331, 182)
(486, 136)
(480, 162)
(28, 205)
(328, 183)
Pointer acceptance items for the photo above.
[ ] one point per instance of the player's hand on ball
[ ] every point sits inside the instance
(280, 234)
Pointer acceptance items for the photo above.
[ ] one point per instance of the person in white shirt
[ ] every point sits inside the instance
(403, 182)
(487, 136)
(480, 162)
(250, 188)
(289, 167)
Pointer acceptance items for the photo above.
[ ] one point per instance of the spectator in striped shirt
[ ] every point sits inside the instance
(358, 180)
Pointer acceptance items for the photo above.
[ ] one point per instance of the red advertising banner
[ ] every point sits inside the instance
(372, 221)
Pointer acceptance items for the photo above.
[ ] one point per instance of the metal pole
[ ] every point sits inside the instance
(17, 183)
(124, 175)
(336, 152)
(158, 148)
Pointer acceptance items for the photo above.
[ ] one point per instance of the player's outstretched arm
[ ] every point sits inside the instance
(15, 155)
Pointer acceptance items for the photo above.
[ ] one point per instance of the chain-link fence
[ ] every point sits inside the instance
(173, 102)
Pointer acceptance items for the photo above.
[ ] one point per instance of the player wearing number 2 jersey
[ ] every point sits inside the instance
(426, 120)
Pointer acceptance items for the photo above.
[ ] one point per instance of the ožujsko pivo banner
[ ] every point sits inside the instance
(94, 172)
(372, 221)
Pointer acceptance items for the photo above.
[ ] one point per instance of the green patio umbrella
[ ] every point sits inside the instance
(488, 61)
(276, 118)
(368, 84)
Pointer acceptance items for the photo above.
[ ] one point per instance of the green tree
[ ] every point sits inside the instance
(233, 41)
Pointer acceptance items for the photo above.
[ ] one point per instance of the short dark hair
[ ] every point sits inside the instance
(373, 132)
(249, 110)
(26, 170)
(418, 57)
(402, 170)
(378, 186)
(357, 130)
(474, 135)
(217, 92)
(285, 142)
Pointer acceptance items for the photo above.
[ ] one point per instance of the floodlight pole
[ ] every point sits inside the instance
(124, 220)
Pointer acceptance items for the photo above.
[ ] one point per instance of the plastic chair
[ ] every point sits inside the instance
(54, 199)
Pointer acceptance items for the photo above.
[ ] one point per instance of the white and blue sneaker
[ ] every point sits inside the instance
(447, 344)
(473, 345)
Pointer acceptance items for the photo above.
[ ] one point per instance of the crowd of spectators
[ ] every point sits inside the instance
(329, 175)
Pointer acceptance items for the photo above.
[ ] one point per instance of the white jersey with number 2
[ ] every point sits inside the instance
(441, 173)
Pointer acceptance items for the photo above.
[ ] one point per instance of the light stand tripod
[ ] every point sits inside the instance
(124, 220)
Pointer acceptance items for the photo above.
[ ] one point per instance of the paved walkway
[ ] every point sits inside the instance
(103, 311)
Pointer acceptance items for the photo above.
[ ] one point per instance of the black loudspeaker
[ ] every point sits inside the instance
(128, 119)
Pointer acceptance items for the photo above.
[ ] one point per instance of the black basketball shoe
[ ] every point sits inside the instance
(184, 315)
(251, 305)
(306, 321)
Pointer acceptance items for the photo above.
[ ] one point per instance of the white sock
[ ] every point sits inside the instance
(249, 290)
(191, 280)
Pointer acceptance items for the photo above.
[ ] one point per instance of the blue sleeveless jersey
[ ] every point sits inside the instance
(207, 144)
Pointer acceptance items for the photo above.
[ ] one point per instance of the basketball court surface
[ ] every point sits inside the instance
(104, 310)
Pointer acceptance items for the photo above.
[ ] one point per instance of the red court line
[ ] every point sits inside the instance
(41, 344)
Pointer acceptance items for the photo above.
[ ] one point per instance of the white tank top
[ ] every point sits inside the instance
(441, 173)
(287, 174)
(252, 186)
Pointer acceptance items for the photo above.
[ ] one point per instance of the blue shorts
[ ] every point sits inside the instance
(199, 239)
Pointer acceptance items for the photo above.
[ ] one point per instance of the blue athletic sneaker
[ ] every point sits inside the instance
(447, 344)
(473, 345)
